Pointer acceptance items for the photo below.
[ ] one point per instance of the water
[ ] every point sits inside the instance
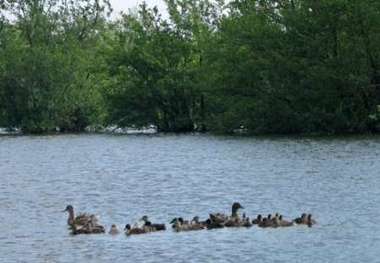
(121, 178)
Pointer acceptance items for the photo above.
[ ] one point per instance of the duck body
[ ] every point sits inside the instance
(258, 220)
(301, 220)
(305, 219)
(136, 230)
(310, 221)
(114, 230)
(180, 225)
(285, 223)
(265, 223)
(87, 229)
(154, 227)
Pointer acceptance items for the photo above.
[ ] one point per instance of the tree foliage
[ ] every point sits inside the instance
(270, 66)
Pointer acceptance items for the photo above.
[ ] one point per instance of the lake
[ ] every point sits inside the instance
(121, 178)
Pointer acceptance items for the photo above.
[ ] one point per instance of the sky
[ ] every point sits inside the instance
(124, 5)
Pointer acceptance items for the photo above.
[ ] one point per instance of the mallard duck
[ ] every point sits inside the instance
(309, 221)
(179, 225)
(114, 230)
(83, 223)
(135, 230)
(155, 227)
(80, 219)
(196, 221)
(210, 224)
(238, 222)
(257, 220)
(284, 223)
(222, 218)
(264, 223)
(301, 220)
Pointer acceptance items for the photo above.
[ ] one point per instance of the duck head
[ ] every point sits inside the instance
(177, 220)
(235, 207)
(259, 218)
(127, 227)
(69, 208)
(195, 219)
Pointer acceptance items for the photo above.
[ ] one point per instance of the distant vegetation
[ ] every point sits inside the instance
(270, 66)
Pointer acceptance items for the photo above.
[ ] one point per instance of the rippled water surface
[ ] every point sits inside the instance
(121, 178)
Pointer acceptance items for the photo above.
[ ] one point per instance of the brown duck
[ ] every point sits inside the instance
(83, 223)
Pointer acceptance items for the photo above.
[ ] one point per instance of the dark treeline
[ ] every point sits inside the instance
(270, 66)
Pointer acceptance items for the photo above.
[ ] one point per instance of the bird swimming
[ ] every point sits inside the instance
(114, 230)
(83, 223)
(154, 227)
(220, 220)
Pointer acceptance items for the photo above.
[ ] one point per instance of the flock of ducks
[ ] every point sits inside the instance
(88, 224)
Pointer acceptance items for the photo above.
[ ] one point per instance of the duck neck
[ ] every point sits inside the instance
(234, 212)
(70, 220)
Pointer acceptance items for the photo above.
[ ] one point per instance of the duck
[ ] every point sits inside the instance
(210, 224)
(310, 221)
(155, 227)
(222, 218)
(114, 230)
(179, 225)
(83, 223)
(128, 230)
(238, 222)
(258, 220)
(267, 221)
(87, 229)
(264, 223)
(285, 223)
(195, 222)
(301, 220)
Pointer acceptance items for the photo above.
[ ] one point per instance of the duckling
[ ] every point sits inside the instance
(301, 220)
(267, 222)
(246, 222)
(309, 221)
(87, 229)
(275, 222)
(237, 222)
(155, 227)
(83, 223)
(285, 223)
(195, 222)
(218, 218)
(135, 230)
(210, 224)
(264, 223)
(180, 225)
(114, 230)
(235, 208)
(258, 220)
